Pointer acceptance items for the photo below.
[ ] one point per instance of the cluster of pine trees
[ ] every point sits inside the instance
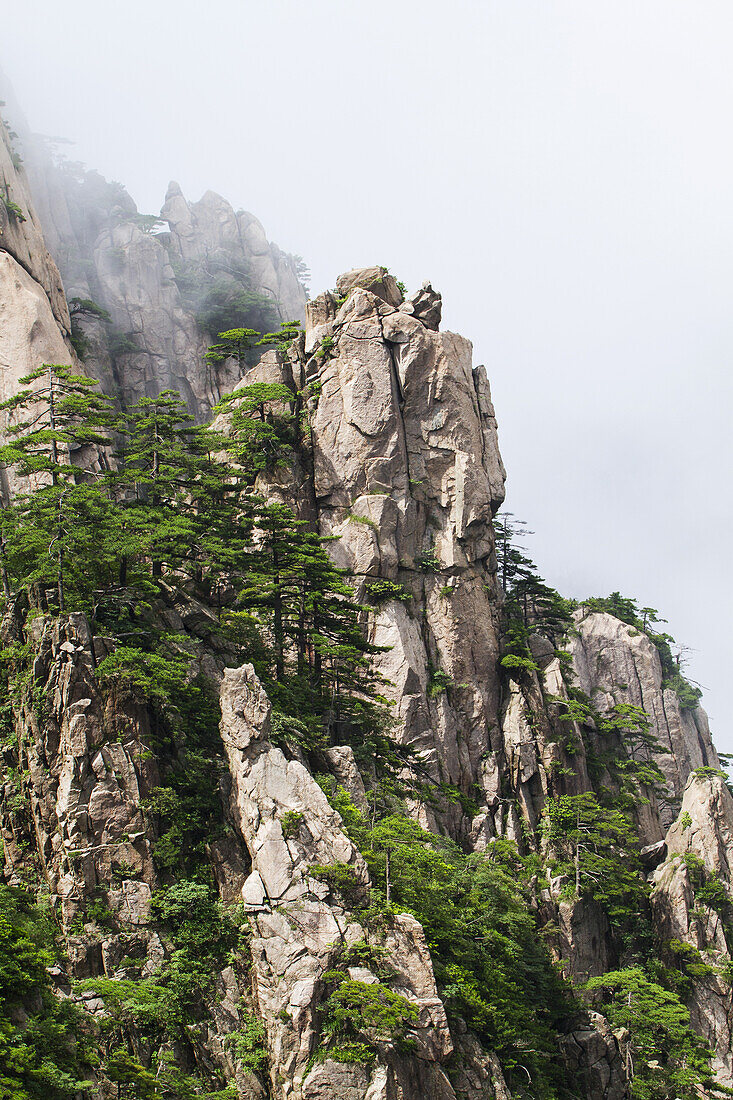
(110, 505)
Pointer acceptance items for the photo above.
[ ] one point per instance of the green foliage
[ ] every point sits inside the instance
(428, 561)
(707, 772)
(688, 694)
(79, 310)
(358, 1011)
(43, 1051)
(596, 848)
(148, 223)
(529, 604)
(519, 663)
(262, 426)
(122, 343)
(238, 342)
(282, 338)
(150, 676)
(12, 209)
(339, 877)
(150, 1014)
(350, 1053)
(50, 535)
(438, 682)
(367, 521)
(233, 343)
(301, 270)
(380, 591)
(225, 304)
(248, 1044)
(669, 1058)
(489, 961)
(628, 759)
(290, 823)
(87, 307)
(644, 619)
(201, 934)
(325, 348)
(709, 890)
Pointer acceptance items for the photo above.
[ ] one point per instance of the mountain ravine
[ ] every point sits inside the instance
(314, 790)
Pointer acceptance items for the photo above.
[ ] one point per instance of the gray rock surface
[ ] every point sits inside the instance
(301, 925)
(21, 234)
(407, 474)
(599, 1058)
(154, 282)
(375, 279)
(615, 663)
(427, 305)
(702, 833)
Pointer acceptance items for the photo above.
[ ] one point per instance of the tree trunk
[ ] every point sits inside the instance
(60, 537)
(278, 617)
(4, 562)
(577, 858)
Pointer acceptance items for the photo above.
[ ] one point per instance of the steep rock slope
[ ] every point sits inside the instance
(168, 284)
(407, 474)
(688, 899)
(615, 662)
(35, 326)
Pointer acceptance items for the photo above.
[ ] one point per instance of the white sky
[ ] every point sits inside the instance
(562, 171)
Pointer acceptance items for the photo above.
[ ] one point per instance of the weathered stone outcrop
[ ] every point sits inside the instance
(302, 928)
(700, 843)
(211, 231)
(407, 475)
(34, 318)
(88, 771)
(21, 235)
(401, 468)
(615, 663)
(151, 282)
(598, 1058)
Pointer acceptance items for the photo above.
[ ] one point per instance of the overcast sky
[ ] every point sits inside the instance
(562, 171)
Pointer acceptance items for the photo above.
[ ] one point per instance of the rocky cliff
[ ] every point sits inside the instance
(238, 974)
(165, 285)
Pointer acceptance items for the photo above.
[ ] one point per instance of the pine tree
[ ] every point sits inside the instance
(261, 426)
(596, 847)
(47, 533)
(234, 342)
(666, 1058)
(530, 605)
(158, 466)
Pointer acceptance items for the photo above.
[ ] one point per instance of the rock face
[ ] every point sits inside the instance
(34, 317)
(160, 288)
(615, 663)
(407, 475)
(699, 846)
(89, 772)
(301, 927)
(21, 235)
